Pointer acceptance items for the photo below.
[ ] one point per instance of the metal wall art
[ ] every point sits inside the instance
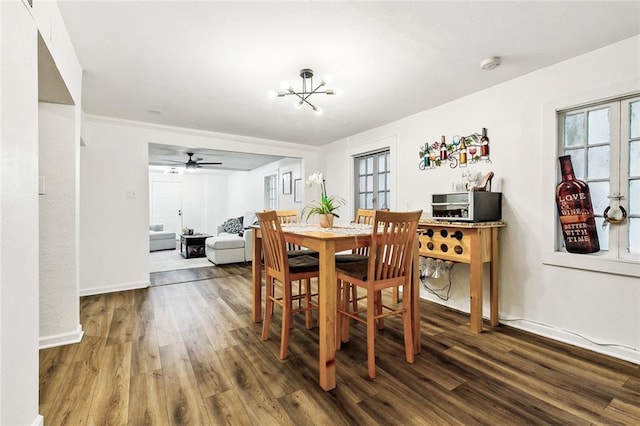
(461, 151)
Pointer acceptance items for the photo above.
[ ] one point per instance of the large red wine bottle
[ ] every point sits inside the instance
(575, 210)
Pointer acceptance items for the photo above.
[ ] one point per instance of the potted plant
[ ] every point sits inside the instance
(327, 206)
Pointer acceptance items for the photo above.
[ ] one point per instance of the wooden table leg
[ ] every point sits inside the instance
(493, 289)
(327, 316)
(475, 271)
(256, 278)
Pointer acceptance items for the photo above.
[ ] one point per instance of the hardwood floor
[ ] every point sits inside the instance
(188, 353)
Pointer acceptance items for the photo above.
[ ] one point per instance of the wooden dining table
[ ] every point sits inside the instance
(327, 242)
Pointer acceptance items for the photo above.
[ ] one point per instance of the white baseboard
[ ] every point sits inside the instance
(616, 351)
(39, 421)
(61, 339)
(114, 288)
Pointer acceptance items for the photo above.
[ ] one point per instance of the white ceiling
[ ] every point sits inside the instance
(209, 65)
(169, 156)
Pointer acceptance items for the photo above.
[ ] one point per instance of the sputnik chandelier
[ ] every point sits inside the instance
(306, 75)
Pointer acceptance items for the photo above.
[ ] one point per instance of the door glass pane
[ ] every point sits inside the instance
(369, 164)
(362, 187)
(603, 234)
(362, 167)
(634, 235)
(382, 166)
(634, 197)
(599, 193)
(574, 130)
(599, 162)
(577, 160)
(369, 200)
(369, 182)
(599, 128)
(382, 182)
(634, 159)
(382, 200)
(634, 125)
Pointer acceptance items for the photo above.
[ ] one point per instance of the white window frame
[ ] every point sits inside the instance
(551, 255)
(271, 191)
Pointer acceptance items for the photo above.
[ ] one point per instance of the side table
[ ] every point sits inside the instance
(193, 245)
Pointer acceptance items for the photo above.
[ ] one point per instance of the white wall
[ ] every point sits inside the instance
(114, 206)
(18, 216)
(216, 196)
(251, 195)
(58, 152)
(19, 223)
(114, 240)
(204, 199)
(548, 300)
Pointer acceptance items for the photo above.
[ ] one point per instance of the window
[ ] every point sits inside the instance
(270, 192)
(372, 173)
(604, 143)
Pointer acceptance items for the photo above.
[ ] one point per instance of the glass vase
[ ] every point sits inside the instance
(326, 221)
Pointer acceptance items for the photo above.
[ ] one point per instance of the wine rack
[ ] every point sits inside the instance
(470, 243)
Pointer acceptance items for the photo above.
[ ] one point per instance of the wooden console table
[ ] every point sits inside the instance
(471, 243)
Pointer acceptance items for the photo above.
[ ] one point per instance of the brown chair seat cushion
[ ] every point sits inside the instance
(301, 264)
(354, 269)
(348, 258)
(296, 253)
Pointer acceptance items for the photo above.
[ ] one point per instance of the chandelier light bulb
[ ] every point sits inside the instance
(284, 85)
(328, 79)
(272, 94)
(317, 110)
(338, 92)
(298, 104)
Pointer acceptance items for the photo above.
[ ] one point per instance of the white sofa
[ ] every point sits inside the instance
(234, 243)
(159, 239)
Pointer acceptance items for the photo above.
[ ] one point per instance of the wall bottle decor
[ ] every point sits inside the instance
(573, 200)
(462, 151)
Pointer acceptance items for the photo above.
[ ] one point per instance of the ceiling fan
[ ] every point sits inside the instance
(194, 163)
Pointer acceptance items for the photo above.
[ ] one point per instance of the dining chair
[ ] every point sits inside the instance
(388, 266)
(360, 254)
(280, 272)
(290, 217)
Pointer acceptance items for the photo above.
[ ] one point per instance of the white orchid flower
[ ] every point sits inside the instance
(315, 178)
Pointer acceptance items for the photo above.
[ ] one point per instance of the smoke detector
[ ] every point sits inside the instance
(490, 63)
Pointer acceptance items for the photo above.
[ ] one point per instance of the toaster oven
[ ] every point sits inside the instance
(472, 206)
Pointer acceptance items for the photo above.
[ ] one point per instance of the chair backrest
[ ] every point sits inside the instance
(365, 216)
(273, 245)
(288, 216)
(393, 238)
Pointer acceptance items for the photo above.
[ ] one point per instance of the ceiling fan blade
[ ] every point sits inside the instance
(173, 161)
(210, 163)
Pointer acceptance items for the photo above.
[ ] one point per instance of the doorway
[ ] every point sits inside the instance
(166, 205)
